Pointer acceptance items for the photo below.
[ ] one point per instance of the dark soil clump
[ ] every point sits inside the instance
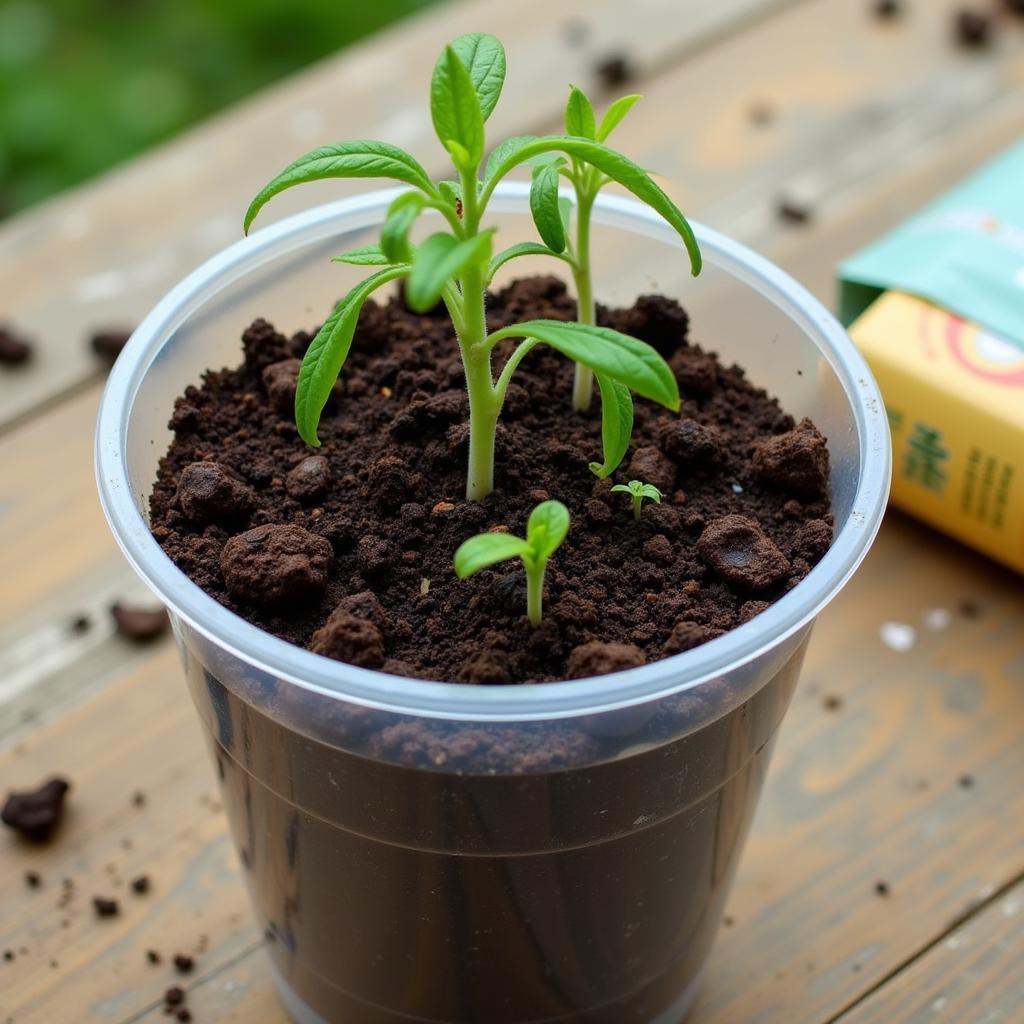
(35, 814)
(140, 625)
(348, 550)
(15, 350)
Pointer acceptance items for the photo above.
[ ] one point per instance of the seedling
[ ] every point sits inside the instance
(552, 217)
(456, 265)
(638, 490)
(545, 530)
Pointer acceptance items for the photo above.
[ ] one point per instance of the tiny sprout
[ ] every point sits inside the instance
(638, 490)
(545, 530)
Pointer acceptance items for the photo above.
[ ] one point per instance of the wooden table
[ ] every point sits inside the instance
(900, 767)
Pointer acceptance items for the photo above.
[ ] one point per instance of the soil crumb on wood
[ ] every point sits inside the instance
(35, 814)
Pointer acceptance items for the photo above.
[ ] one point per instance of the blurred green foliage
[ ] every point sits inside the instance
(86, 83)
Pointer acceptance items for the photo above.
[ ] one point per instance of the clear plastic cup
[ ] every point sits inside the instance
(408, 862)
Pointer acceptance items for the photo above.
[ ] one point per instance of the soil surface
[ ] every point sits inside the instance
(347, 549)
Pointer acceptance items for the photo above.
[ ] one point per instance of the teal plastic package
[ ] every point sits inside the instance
(964, 253)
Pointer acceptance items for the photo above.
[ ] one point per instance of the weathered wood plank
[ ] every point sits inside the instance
(139, 735)
(971, 974)
(101, 255)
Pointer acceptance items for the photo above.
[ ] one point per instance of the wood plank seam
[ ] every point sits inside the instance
(968, 914)
(198, 982)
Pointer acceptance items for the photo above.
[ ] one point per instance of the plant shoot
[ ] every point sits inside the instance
(552, 217)
(545, 530)
(456, 264)
(638, 490)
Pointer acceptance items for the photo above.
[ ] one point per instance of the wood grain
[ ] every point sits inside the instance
(138, 735)
(103, 254)
(970, 975)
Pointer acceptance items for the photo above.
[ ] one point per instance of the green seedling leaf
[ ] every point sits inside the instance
(628, 360)
(455, 110)
(638, 490)
(484, 59)
(394, 235)
(546, 529)
(486, 549)
(614, 115)
(544, 206)
(328, 351)
(450, 191)
(440, 258)
(520, 249)
(613, 164)
(579, 115)
(359, 159)
(365, 256)
(616, 425)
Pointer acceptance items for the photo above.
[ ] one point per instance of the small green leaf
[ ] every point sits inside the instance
(652, 492)
(487, 549)
(616, 425)
(614, 114)
(484, 59)
(365, 256)
(625, 359)
(579, 115)
(451, 191)
(455, 110)
(440, 258)
(328, 351)
(546, 528)
(394, 235)
(544, 206)
(613, 164)
(520, 249)
(358, 159)
(622, 489)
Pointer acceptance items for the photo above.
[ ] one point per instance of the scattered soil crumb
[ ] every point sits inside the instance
(35, 814)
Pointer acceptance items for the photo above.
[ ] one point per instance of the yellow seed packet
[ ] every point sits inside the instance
(954, 393)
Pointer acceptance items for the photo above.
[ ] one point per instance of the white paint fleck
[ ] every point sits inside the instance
(736, 488)
(954, 942)
(1011, 906)
(307, 124)
(98, 287)
(939, 1004)
(898, 636)
(937, 619)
